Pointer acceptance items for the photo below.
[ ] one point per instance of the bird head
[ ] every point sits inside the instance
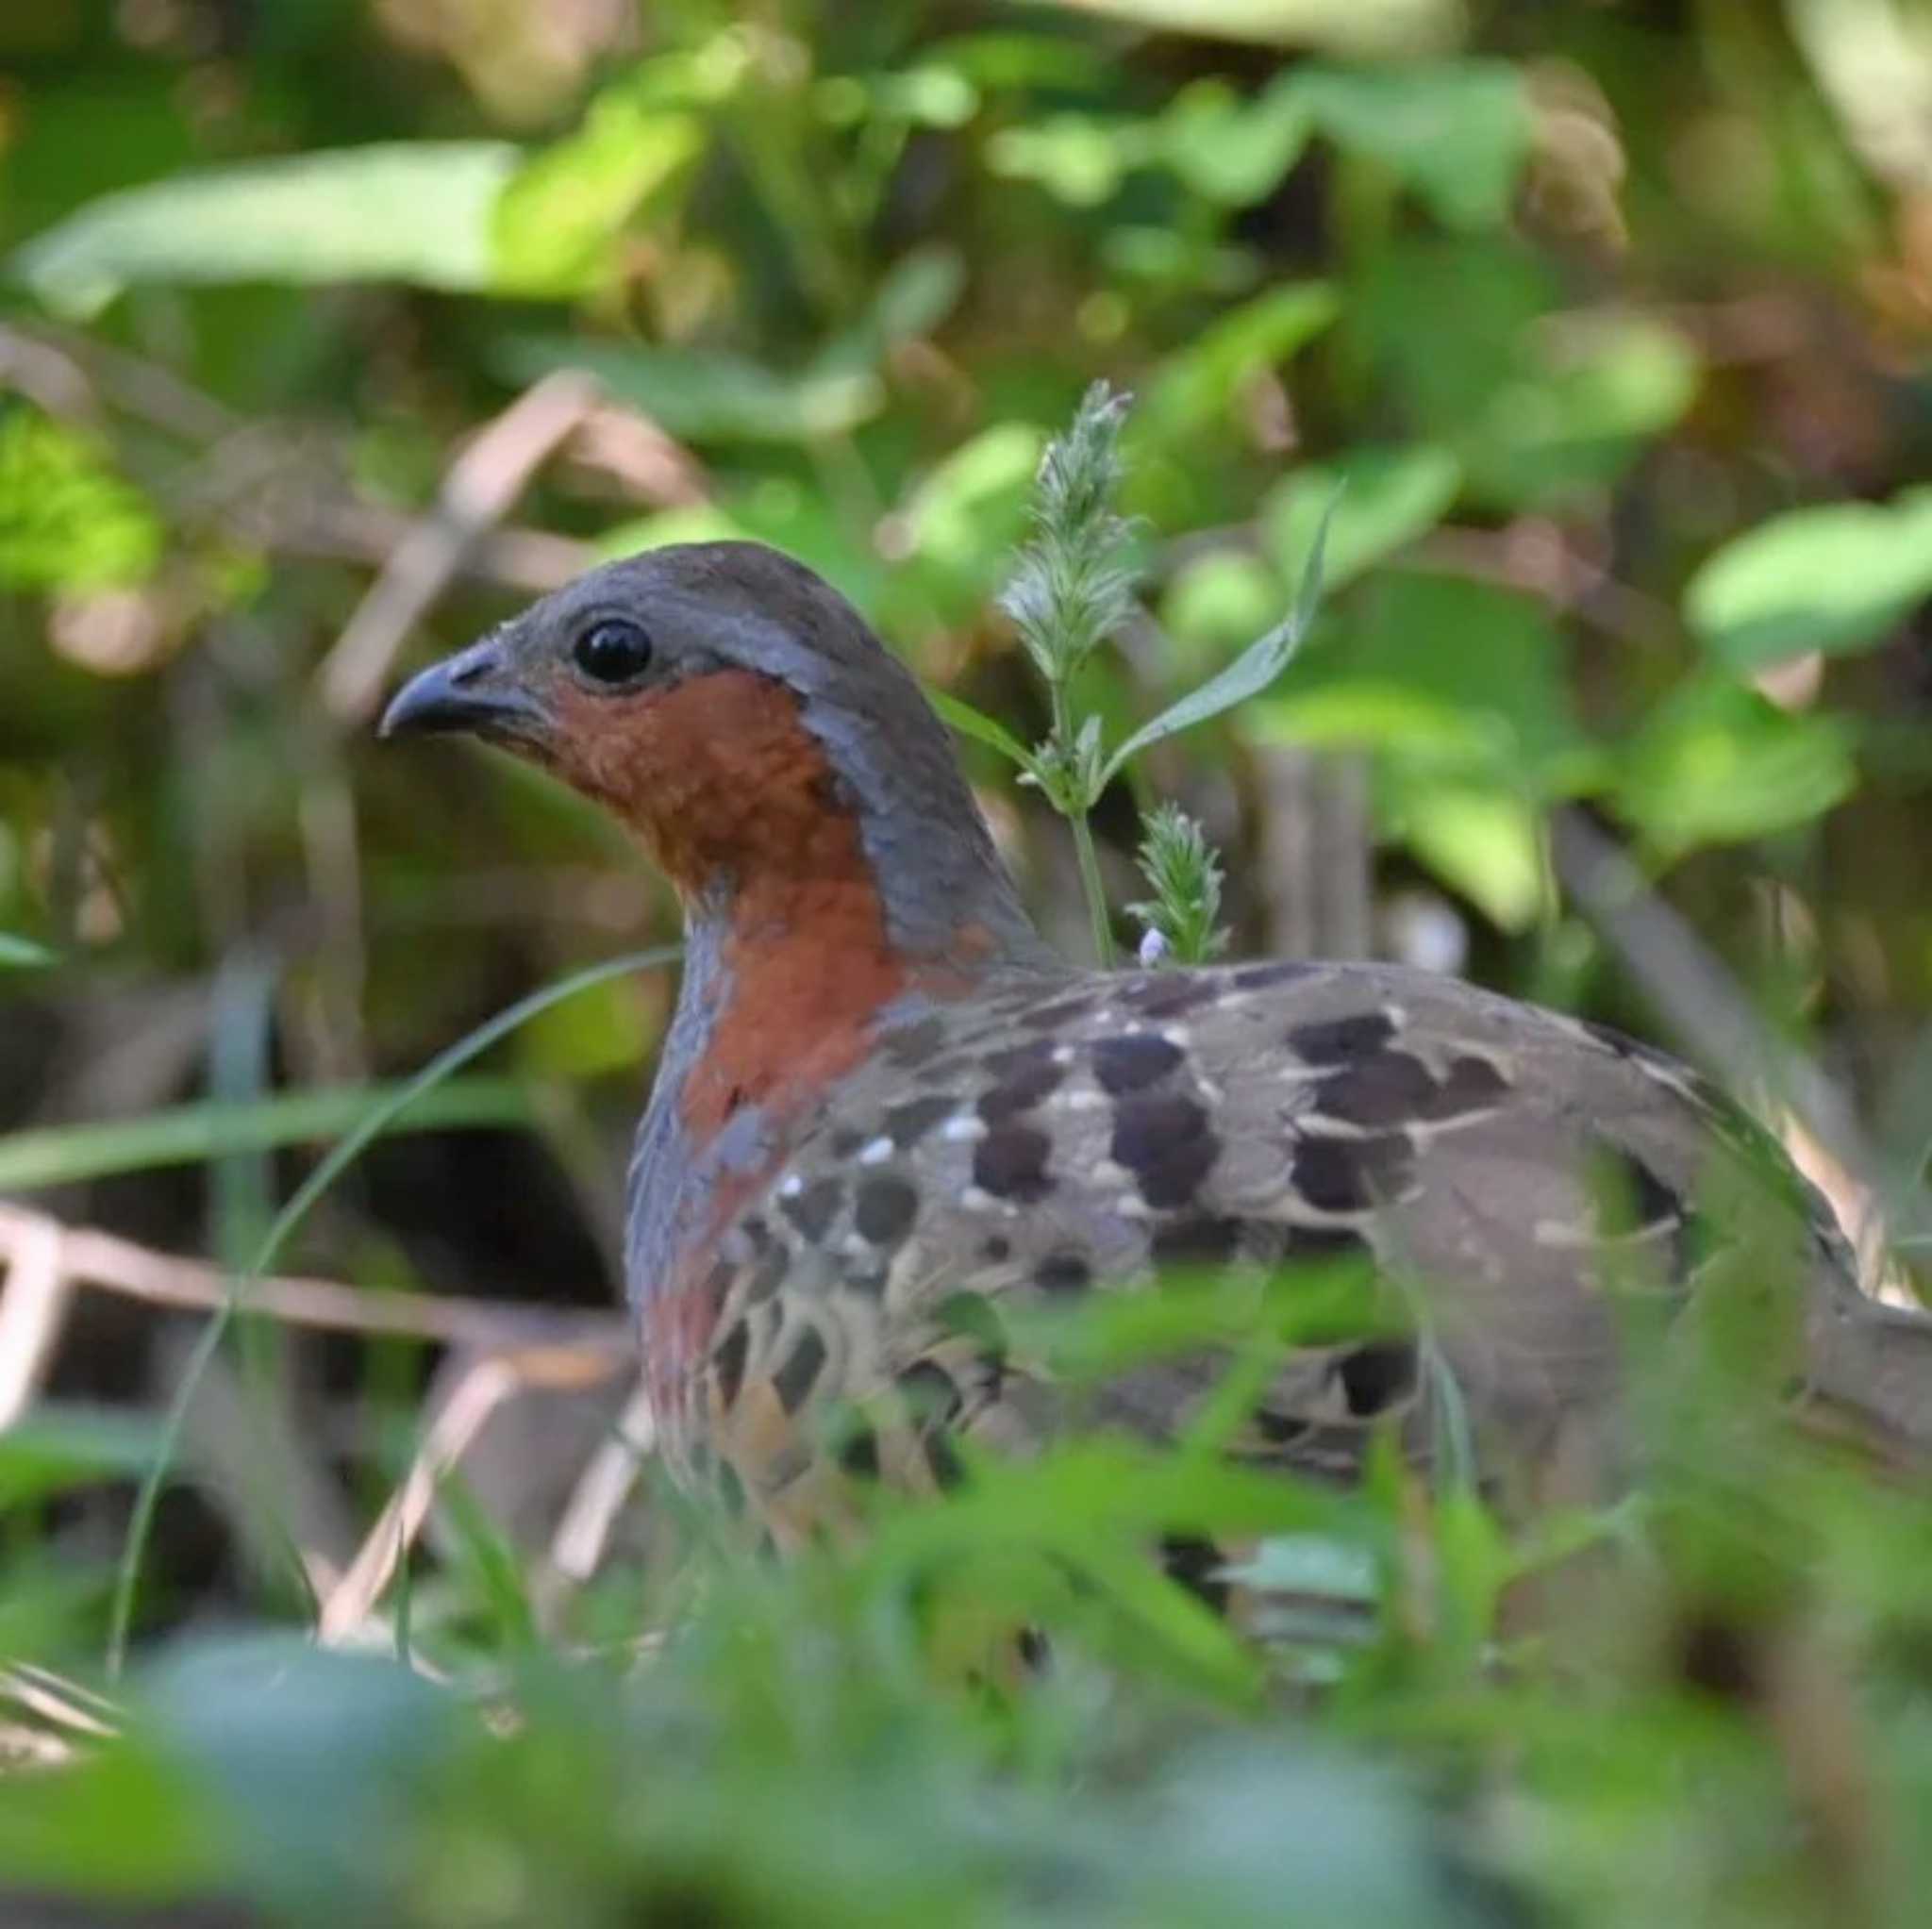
(739, 716)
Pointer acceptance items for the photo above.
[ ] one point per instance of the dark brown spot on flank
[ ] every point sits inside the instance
(1022, 1079)
(1196, 1242)
(1170, 994)
(1335, 1041)
(884, 1210)
(1163, 1139)
(845, 1142)
(913, 1044)
(1373, 1378)
(1010, 1163)
(1128, 1064)
(1352, 1174)
(813, 1210)
(1383, 1089)
(1281, 971)
(1653, 1202)
(793, 1381)
(1473, 1085)
(907, 1124)
(997, 1249)
(1063, 1273)
(930, 1392)
(727, 1363)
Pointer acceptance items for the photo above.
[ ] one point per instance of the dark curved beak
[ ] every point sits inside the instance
(476, 690)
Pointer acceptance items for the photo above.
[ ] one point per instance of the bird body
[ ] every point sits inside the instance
(887, 1120)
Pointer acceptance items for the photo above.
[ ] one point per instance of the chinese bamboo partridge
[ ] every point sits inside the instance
(886, 1116)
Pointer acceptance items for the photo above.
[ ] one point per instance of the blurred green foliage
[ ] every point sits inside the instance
(1612, 323)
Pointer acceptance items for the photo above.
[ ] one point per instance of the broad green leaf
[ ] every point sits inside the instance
(1220, 599)
(23, 955)
(1193, 390)
(1580, 409)
(1076, 159)
(1346, 27)
(969, 509)
(1250, 673)
(1366, 713)
(1480, 840)
(415, 211)
(1836, 578)
(1718, 762)
(68, 521)
(1230, 150)
(1386, 498)
(557, 220)
(705, 396)
(976, 724)
(189, 1134)
(1457, 131)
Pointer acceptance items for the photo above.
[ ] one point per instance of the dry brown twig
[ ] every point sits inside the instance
(578, 1547)
(481, 484)
(481, 1386)
(90, 1257)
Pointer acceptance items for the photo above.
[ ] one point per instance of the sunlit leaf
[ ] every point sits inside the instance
(51, 1450)
(917, 292)
(557, 219)
(1352, 26)
(705, 396)
(1230, 150)
(1388, 497)
(1480, 840)
(1457, 131)
(1836, 578)
(1718, 762)
(68, 521)
(414, 211)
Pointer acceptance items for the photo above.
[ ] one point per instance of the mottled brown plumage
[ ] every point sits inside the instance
(887, 1118)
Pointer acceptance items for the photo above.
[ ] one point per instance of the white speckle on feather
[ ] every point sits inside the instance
(1079, 1098)
(791, 1185)
(875, 1152)
(1063, 1055)
(963, 1128)
(1177, 1035)
(977, 1199)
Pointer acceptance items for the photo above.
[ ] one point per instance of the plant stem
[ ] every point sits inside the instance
(1090, 886)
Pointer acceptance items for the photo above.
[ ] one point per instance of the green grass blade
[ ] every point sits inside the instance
(374, 1123)
(214, 1129)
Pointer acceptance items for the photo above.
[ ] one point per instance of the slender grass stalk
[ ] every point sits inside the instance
(339, 1158)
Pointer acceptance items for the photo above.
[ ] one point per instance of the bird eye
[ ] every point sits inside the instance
(612, 651)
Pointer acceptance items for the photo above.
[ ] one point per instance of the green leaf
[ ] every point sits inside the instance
(1457, 131)
(416, 211)
(701, 396)
(1250, 673)
(1718, 763)
(68, 521)
(1381, 499)
(1346, 26)
(1837, 578)
(967, 510)
(976, 724)
(1230, 150)
(556, 222)
(1587, 399)
(1220, 598)
(23, 954)
(190, 1134)
(1194, 390)
(1480, 840)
